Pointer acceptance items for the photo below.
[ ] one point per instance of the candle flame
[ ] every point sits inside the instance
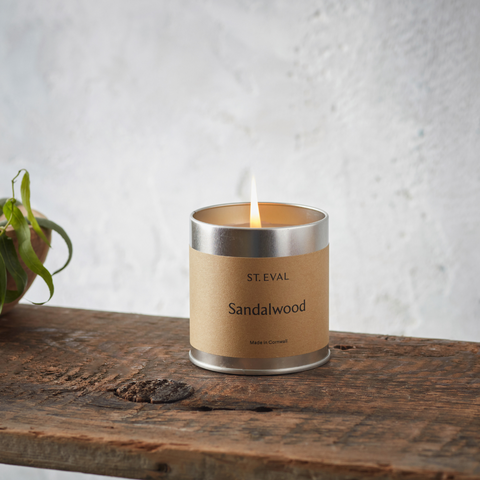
(255, 221)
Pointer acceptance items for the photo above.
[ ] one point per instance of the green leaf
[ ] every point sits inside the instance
(45, 223)
(9, 254)
(2, 203)
(25, 248)
(3, 283)
(25, 190)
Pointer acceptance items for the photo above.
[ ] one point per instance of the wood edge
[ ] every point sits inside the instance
(151, 460)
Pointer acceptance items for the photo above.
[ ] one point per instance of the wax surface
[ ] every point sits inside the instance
(264, 225)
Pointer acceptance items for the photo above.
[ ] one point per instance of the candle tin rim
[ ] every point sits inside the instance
(283, 204)
(279, 241)
(259, 366)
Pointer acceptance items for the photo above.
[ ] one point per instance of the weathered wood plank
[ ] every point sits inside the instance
(384, 407)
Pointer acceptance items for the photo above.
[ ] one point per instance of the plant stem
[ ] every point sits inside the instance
(13, 182)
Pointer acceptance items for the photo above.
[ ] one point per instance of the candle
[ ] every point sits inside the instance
(259, 295)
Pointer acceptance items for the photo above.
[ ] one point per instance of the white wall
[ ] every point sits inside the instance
(131, 114)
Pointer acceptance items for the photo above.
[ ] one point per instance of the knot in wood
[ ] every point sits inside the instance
(155, 391)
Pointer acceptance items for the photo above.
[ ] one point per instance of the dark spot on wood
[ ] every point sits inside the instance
(344, 347)
(155, 391)
(263, 409)
(204, 408)
(163, 468)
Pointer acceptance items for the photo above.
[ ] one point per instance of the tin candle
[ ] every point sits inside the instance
(259, 296)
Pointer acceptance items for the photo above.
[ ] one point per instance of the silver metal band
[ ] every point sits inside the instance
(290, 230)
(259, 366)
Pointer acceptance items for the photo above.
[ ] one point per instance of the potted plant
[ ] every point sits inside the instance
(24, 243)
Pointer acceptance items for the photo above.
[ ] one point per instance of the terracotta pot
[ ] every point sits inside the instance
(40, 248)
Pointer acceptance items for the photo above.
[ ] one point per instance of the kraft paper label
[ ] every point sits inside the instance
(259, 307)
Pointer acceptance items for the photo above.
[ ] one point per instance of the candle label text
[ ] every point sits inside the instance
(266, 277)
(266, 310)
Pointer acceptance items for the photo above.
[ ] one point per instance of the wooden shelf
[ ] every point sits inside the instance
(383, 407)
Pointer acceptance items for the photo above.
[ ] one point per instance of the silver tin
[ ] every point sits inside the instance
(214, 230)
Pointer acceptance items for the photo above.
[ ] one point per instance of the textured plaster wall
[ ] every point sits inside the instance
(129, 115)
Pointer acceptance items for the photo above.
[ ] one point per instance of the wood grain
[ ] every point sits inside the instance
(383, 407)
